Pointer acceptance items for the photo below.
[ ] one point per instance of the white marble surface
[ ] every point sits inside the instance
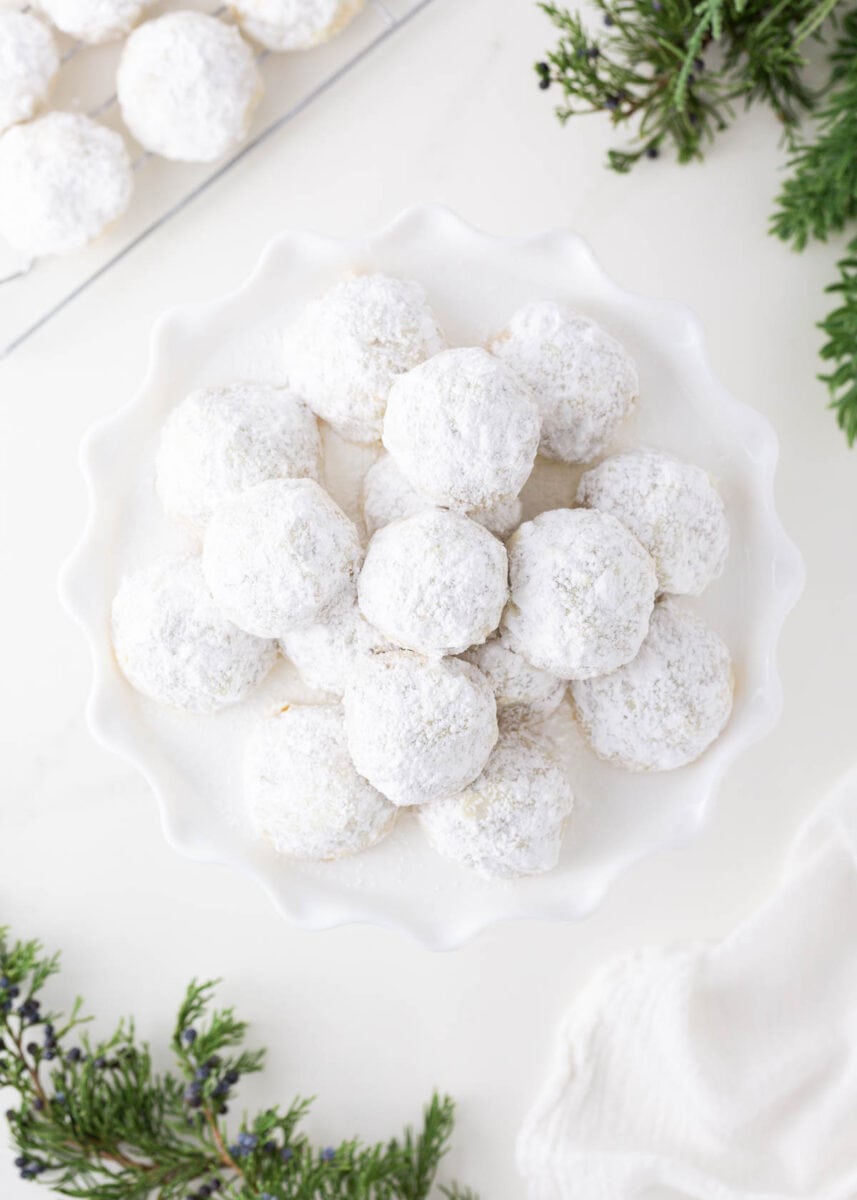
(363, 1018)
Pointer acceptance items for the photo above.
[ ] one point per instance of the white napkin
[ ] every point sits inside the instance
(719, 1072)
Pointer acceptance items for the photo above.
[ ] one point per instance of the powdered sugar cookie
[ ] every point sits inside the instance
(582, 592)
(63, 179)
(418, 728)
(582, 379)
(509, 821)
(174, 645)
(463, 429)
(280, 556)
(523, 692)
(302, 791)
(348, 347)
(223, 440)
(294, 24)
(435, 582)
(29, 61)
(327, 653)
(663, 709)
(671, 507)
(187, 85)
(387, 496)
(94, 20)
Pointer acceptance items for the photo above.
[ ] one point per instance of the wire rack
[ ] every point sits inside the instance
(31, 293)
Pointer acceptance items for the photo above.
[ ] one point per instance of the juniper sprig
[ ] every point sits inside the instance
(672, 73)
(94, 1119)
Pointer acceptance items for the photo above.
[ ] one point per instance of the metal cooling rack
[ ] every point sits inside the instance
(32, 293)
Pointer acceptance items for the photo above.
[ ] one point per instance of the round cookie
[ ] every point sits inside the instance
(663, 709)
(582, 592)
(523, 692)
(220, 441)
(435, 582)
(294, 24)
(326, 654)
(94, 20)
(463, 429)
(582, 379)
(347, 347)
(280, 556)
(301, 789)
(173, 644)
(29, 61)
(418, 728)
(509, 822)
(63, 179)
(187, 85)
(671, 507)
(387, 496)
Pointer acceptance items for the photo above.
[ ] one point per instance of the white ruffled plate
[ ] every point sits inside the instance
(474, 282)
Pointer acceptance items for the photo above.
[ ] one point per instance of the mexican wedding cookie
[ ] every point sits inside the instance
(509, 822)
(174, 645)
(220, 441)
(582, 592)
(63, 179)
(582, 378)
(434, 582)
(29, 61)
(348, 347)
(325, 654)
(523, 692)
(94, 20)
(418, 728)
(280, 556)
(387, 496)
(463, 429)
(664, 708)
(671, 507)
(187, 85)
(301, 789)
(294, 24)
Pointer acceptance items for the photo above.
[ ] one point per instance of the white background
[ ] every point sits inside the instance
(365, 1020)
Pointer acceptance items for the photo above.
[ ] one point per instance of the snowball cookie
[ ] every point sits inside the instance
(435, 582)
(63, 179)
(668, 705)
(582, 378)
(419, 728)
(29, 61)
(463, 429)
(301, 789)
(280, 556)
(582, 591)
(294, 24)
(345, 350)
(509, 821)
(523, 692)
(174, 645)
(222, 440)
(671, 507)
(187, 85)
(327, 653)
(387, 496)
(94, 20)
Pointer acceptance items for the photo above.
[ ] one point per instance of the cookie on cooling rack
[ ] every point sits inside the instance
(94, 20)
(187, 85)
(29, 61)
(294, 24)
(64, 179)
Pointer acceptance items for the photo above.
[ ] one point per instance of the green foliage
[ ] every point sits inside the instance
(672, 72)
(94, 1120)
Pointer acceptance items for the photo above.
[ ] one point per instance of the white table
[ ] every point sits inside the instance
(366, 1020)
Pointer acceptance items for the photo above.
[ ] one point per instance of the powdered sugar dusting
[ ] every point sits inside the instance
(94, 20)
(294, 24)
(326, 654)
(523, 692)
(29, 61)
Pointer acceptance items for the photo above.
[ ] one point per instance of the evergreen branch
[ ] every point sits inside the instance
(95, 1121)
(840, 349)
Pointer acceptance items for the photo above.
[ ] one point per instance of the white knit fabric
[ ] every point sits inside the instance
(719, 1072)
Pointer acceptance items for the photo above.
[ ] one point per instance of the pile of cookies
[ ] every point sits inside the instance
(187, 85)
(439, 628)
